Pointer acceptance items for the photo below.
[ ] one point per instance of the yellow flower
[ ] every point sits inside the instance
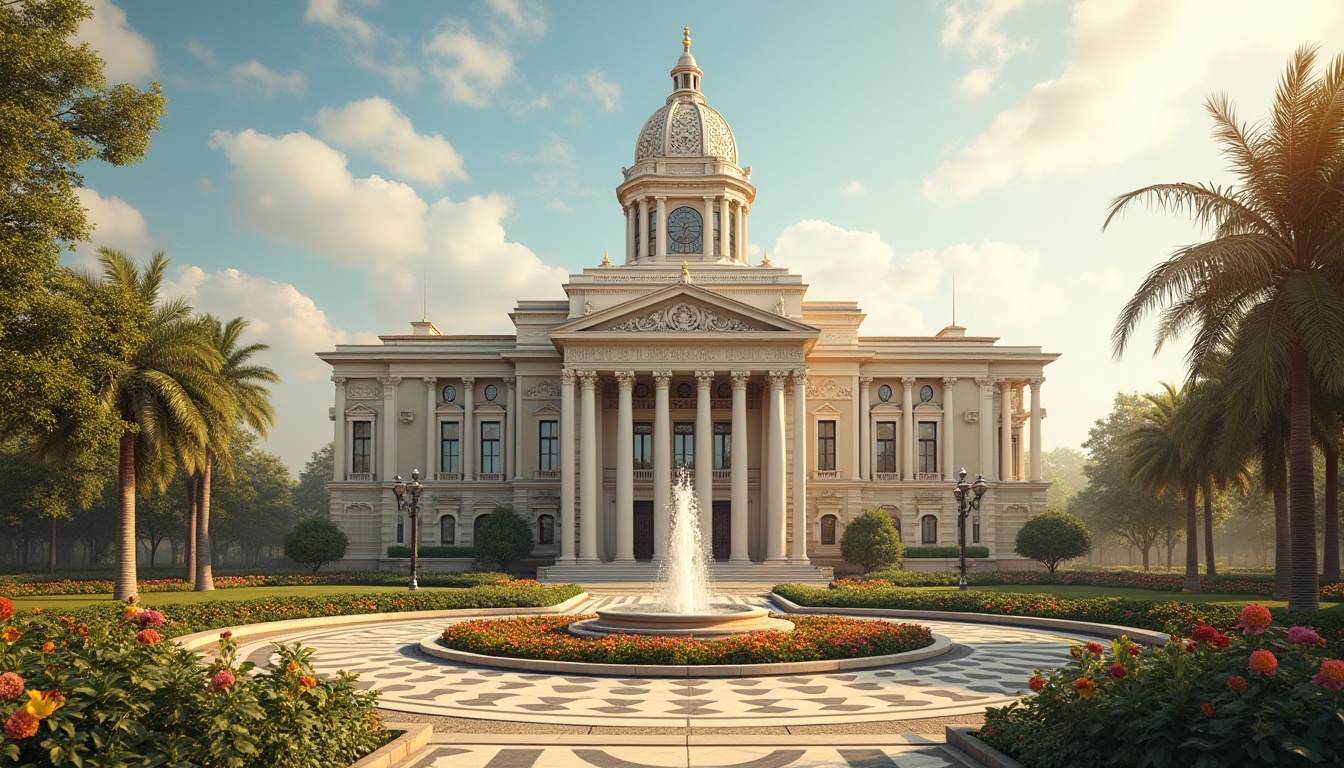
(9, 634)
(42, 703)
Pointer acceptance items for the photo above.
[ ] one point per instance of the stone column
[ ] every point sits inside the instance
(510, 416)
(661, 228)
(865, 428)
(588, 495)
(908, 428)
(798, 552)
(431, 401)
(743, 212)
(625, 468)
(738, 458)
(1036, 429)
(642, 231)
(724, 227)
(987, 467)
(390, 420)
(704, 456)
(662, 464)
(339, 460)
(708, 238)
(516, 432)
(1005, 429)
(949, 426)
(630, 244)
(467, 450)
(763, 486)
(567, 466)
(774, 518)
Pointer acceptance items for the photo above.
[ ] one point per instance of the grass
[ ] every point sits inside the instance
(60, 602)
(1079, 591)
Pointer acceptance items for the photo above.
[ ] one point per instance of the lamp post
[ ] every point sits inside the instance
(408, 498)
(968, 497)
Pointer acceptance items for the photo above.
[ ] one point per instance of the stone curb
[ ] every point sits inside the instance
(395, 752)
(959, 738)
(430, 647)
(1144, 636)
(198, 640)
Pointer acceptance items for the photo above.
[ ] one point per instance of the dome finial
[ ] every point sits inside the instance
(686, 38)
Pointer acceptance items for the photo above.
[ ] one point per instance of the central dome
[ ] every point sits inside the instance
(686, 127)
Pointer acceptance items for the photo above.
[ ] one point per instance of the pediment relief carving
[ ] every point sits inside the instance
(827, 388)
(363, 389)
(685, 317)
(544, 389)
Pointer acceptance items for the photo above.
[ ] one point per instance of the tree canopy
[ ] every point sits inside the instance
(1052, 537)
(871, 541)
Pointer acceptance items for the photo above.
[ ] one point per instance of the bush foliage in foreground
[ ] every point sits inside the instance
(29, 585)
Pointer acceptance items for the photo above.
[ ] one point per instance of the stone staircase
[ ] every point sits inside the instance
(722, 573)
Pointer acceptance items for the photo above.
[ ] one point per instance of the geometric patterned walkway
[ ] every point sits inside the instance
(988, 666)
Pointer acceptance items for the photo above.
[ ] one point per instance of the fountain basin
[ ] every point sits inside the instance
(721, 620)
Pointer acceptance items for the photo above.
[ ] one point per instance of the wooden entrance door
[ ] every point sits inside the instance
(643, 530)
(722, 524)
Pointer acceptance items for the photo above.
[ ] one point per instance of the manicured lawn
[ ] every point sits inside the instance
(1080, 591)
(59, 602)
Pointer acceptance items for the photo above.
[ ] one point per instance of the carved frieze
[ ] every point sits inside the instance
(682, 354)
(543, 390)
(363, 389)
(828, 388)
(684, 318)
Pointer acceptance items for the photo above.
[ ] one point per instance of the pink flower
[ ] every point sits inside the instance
(151, 618)
(20, 724)
(225, 635)
(147, 637)
(1303, 637)
(1118, 672)
(1255, 618)
(1263, 661)
(11, 685)
(222, 681)
(1204, 634)
(1331, 675)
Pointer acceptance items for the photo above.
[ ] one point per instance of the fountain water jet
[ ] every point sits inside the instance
(685, 607)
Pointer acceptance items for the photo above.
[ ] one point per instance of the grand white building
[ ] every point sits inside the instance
(789, 422)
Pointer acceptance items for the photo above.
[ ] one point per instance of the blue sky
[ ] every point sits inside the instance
(317, 158)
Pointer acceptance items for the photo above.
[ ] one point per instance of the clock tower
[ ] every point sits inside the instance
(686, 199)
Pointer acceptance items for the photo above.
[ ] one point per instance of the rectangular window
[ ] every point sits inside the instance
(401, 530)
(361, 446)
(643, 445)
(635, 216)
(489, 447)
(826, 446)
(548, 446)
(651, 234)
(683, 444)
(723, 445)
(450, 446)
(886, 447)
(975, 530)
(928, 447)
(717, 228)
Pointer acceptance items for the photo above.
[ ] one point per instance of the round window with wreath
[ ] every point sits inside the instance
(884, 393)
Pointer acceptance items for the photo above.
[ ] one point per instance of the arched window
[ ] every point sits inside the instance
(546, 530)
(447, 529)
(928, 527)
(828, 529)
(476, 526)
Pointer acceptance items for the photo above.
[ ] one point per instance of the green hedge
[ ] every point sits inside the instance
(1172, 617)
(11, 586)
(398, 550)
(927, 552)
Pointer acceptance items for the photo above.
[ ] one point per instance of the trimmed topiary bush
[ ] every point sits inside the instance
(1052, 537)
(314, 542)
(927, 552)
(505, 537)
(871, 541)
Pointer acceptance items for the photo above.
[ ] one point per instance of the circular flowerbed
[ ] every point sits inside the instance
(814, 638)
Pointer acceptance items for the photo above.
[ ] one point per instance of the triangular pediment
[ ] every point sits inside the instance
(681, 309)
(546, 410)
(827, 410)
(360, 409)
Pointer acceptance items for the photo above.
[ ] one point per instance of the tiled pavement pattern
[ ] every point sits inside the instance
(988, 666)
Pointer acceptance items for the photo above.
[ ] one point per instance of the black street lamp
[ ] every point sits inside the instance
(408, 498)
(968, 497)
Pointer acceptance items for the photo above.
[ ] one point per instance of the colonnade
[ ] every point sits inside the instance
(733, 215)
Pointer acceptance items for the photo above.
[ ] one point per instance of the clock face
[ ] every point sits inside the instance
(684, 227)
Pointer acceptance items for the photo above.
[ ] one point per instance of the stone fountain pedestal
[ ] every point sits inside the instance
(716, 622)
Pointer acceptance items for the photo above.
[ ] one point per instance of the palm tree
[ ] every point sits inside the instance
(1267, 285)
(149, 396)
(247, 403)
(1159, 465)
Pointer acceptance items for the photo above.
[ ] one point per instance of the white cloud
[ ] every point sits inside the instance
(128, 55)
(332, 13)
(375, 127)
(206, 187)
(603, 91)
(975, 28)
(1137, 76)
(854, 188)
(369, 46)
(554, 175)
(470, 68)
(297, 189)
(258, 75)
(115, 224)
(524, 16)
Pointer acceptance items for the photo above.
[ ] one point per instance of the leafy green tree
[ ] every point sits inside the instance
(1267, 287)
(1063, 469)
(311, 496)
(505, 538)
(1158, 465)
(255, 504)
(315, 541)
(159, 515)
(871, 541)
(1052, 537)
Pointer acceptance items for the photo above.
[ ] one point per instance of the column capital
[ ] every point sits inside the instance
(800, 377)
(865, 380)
(567, 377)
(778, 378)
(588, 379)
(983, 381)
(625, 379)
(740, 378)
(469, 381)
(1000, 383)
(1037, 382)
(660, 198)
(431, 381)
(390, 382)
(704, 378)
(662, 379)
(908, 382)
(509, 380)
(339, 381)
(949, 381)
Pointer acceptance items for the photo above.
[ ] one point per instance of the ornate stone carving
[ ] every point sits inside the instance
(1037, 382)
(865, 380)
(339, 381)
(508, 381)
(949, 381)
(719, 140)
(999, 384)
(625, 379)
(545, 389)
(587, 307)
(363, 389)
(778, 379)
(984, 382)
(828, 388)
(684, 133)
(908, 382)
(651, 137)
(431, 381)
(800, 377)
(683, 318)
(780, 309)
(684, 354)
(740, 378)
(587, 379)
(705, 379)
(662, 379)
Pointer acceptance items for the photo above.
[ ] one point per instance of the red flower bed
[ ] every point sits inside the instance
(815, 638)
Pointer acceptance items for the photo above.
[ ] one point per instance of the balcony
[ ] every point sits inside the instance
(643, 475)
(723, 474)
(826, 474)
(490, 477)
(886, 477)
(447, 475)
(359, 477)
(547, 474)
(928, 475)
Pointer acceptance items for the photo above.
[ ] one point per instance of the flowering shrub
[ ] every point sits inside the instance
(814, 638)
(1259, 699)
(110, 693)
(1243, 584)
(27, 586)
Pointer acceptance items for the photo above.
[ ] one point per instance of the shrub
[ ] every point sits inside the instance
(871, 541)
(401, 551)
(505, 538)
(365, 578)
(315, 541)
(1052, 537)
(1269, 699)
(915, 553)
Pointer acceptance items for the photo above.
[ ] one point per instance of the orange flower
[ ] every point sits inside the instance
(1036, 683)
(291, 668)
(1236, 683)
(20, 725)
(9, 634)
(1085, 687)
(307, 681)
(1076, 652)
(1095, 649)
(1255, 618)
(1208, 709)
(1263, 661)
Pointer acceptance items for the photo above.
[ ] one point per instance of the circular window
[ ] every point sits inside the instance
(491, 393)
(684, 390)
(884, 393)
(925, 393)
(641, 390)
(449, 394)
(725, 391)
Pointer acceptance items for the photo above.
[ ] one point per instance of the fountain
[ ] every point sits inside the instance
(686, 592)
